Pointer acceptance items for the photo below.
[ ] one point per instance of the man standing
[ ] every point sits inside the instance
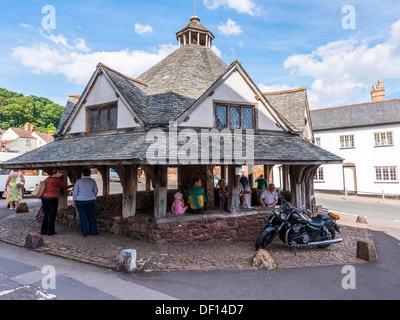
(261, 184)
(269, 197)
(84, 197)
(196, 197)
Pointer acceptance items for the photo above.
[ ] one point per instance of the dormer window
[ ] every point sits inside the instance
(102, 118)
(234, 117)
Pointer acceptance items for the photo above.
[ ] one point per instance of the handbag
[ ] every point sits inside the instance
(19, 181)
(40, 215)
(37, 193)
(4, 194)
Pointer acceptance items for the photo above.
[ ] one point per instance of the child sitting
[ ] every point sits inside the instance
(178, 206)
(247, 198)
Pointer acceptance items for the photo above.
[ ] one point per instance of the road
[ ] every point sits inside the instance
(21, 277)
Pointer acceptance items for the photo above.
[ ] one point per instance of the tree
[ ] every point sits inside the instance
(16, 110)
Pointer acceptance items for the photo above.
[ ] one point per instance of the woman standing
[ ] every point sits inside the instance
(84, 199)
(54, 184)
(14, 192)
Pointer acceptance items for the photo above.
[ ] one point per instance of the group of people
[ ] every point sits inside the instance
(266, 195)
(196, 200)
(84, 199)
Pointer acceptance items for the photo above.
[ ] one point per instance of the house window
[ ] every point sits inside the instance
(383, 139)
(319, 175)
(386, 174)
(234, 117)
(318, 142)
(28, 142)
(102, 119)
(347, 141)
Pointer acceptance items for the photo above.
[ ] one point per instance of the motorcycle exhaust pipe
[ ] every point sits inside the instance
(332, 241)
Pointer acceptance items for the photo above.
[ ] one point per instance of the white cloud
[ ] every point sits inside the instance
(142, 30)
(77, 63)
(241, 6)
(343, 69)
(274, 88)
(230, 28)
(216, 51)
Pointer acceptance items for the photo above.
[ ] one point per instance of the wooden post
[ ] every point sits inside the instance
(63, 197)
(383, 196)
(285, 177)
(233, 189)
(105, 175)
(129, 192)
(345, 193)
(128, 176)
(160, 184)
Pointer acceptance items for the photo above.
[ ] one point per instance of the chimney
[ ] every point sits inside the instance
(378, 92)
(27, 127)
(32, 129)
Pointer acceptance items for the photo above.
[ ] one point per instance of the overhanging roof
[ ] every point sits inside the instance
(131, 148)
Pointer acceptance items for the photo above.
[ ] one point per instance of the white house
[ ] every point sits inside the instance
(367, 136)
(16, 140)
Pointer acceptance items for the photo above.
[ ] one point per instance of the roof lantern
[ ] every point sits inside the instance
(195, 33)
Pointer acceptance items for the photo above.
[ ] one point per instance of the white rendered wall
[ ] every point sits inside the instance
(102, 92)
(235, 90)
(364, 155)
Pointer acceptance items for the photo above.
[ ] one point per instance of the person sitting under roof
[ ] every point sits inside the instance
(196, 197)
(269, 197)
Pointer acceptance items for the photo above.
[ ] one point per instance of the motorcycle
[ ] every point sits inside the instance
(297, 228)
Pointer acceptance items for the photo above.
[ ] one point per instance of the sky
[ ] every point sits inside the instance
(336, 49)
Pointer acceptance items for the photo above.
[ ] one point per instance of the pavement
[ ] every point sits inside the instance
(104, 250)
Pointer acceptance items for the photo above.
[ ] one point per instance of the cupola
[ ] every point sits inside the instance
(195, 33)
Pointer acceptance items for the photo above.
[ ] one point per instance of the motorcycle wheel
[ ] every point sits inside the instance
(264, 239)
(332, 235)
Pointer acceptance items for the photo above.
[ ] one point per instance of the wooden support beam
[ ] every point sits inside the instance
(129, 183)
(160, 184)
(63, 197)
(105, 175)
(233, 189)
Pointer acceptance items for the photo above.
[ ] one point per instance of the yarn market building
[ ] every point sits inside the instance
(191, 112)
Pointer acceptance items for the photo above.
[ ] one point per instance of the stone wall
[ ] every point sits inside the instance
(142, 226)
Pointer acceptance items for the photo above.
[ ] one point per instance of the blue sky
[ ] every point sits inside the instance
(281, 44)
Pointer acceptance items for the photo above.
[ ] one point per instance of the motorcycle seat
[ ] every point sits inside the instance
(317, 222)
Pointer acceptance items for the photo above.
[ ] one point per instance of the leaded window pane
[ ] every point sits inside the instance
(247, 118)
(103, 119)
(113, 118)
(234, 117)
(94, 120)
(221, 117)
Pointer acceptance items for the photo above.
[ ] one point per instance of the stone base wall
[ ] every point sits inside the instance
(144, 227)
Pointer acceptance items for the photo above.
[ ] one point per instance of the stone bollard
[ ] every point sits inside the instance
(33, 241)
(262, 259)
(361, 219)
(22, 208)
(127, 260)
(366, 251)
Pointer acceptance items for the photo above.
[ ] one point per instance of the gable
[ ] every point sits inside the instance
(101, 93)
(232, 89)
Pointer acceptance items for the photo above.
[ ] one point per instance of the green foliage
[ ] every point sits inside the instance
(16, 110)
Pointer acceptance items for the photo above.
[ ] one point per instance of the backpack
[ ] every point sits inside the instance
(37, 193)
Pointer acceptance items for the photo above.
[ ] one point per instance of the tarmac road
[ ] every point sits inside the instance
(21, 273)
